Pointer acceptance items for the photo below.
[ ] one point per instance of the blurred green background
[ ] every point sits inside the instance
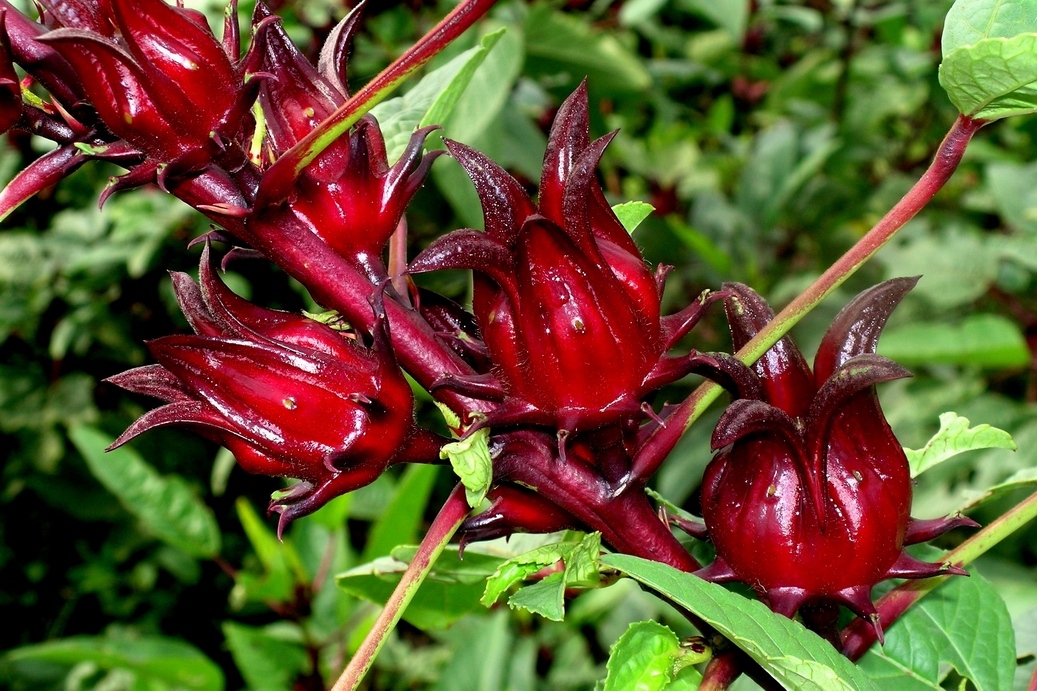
(769, 135)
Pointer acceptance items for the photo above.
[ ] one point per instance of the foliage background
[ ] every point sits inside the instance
(768, 134)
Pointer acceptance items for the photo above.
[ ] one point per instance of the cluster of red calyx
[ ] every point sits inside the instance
(289, 396)
(808, 501)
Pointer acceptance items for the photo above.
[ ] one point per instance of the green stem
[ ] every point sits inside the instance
(449, 519)
(859, 636)
(946, 161)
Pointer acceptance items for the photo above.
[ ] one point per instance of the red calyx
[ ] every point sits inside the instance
(287, 395)
(567, 307)
(809, 498)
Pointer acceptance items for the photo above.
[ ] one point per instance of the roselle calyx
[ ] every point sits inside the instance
(567, 308)
(809, 498)
(349, 196)
(287, 395)
(154, 73)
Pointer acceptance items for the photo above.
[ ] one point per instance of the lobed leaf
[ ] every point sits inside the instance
(955, 437)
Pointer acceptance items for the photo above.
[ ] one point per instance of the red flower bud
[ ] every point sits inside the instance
(349, 196)
(808, 500)
(154, 73)
(287, 395)
(567, 307)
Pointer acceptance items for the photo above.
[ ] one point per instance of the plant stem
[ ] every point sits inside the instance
(450, 517)
(859, 636)
(946, 161)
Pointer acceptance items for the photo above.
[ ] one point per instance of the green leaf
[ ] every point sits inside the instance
(955, 437)
(963, 623)
(269, 658)
(995, 78)
(1021, 479)
(580, 569)
(399, 524)
(546, 597)
(970, 21)
(157, 664)
(990, 57)
(561, 43)
(470, 459)
(431, 100)
(451, 590)
(980, 340)
(631, 214)
(165, 505)
(519, 568)
(732, 15)
(282, 569)
(796, 657)
(646, 657)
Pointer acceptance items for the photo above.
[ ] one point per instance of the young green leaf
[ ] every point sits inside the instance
(450, 591)
(955, 437)
(631, 214)
(989, 64)
(795, 657)
(165, 505)
(964, 624)
(470, 459)
(546, 597)
(646, 657)
(579, 569)
(432, 99)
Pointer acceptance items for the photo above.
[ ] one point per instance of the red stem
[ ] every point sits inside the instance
(946, 161)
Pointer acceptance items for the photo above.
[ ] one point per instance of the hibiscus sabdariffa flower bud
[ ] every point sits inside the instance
(349, 196)
(809, 499)
(567, 308)
(154, 73)
(287, 395)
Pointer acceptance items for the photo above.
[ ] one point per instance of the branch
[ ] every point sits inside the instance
(450, 517)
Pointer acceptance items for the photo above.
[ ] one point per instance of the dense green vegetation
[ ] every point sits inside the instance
(769, 135)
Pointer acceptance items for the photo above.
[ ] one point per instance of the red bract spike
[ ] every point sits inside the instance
(515, 510)
(857, 327)
(569, 138)
(561, 293)
(332, 61)
(231, 42)
(505, 204)
(782, 369)
(287, 395)
(45, 171)
(41, 61)
(925, 530)
(838, 456)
